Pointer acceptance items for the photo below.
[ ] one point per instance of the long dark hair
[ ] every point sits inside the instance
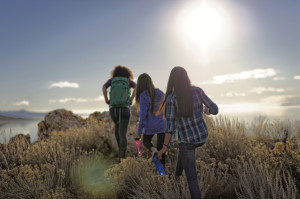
(122, 71)
(144, 83)
(180, 84)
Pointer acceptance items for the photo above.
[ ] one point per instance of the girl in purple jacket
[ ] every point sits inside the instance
(148, 100)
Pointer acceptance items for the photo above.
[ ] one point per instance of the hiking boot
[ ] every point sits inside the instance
(122, 154)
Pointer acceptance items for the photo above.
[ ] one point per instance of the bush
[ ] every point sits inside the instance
(238, 161)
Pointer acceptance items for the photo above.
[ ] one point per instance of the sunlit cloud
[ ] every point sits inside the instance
(281, 100)
(260, 90)
(231, 94)
(278, 78)
(64, 84)
(77, 100)
(238, 107)
(297, 77)
(22, 103)
(252, 74)
(98, 99)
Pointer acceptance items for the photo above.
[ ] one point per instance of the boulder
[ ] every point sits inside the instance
(59, 120)
(105, 116)
(98, 116)
(134, 114)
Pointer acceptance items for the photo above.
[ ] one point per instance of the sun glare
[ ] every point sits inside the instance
(201, 24)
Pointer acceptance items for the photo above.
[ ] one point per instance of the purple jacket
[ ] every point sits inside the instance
(150, 125)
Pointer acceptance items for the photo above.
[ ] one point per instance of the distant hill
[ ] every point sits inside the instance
(5, 118)
(22, 114)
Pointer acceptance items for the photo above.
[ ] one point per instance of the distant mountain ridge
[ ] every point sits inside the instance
(2, 117)
(21, 114)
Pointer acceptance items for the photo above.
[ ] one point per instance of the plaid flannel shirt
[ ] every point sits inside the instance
(191, 129)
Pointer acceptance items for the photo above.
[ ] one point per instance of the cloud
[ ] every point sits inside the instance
(278, 78)
(282, 100)
(64, 84)
(22, 103)
(260, 90)
(297, 77)
(231, 94)
(252, 74)
(77, 100)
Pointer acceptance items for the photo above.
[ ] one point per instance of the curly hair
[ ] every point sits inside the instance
(122, 71)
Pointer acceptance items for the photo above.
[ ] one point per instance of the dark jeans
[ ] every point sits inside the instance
(159, 144)
(186, 161)
(120, 127)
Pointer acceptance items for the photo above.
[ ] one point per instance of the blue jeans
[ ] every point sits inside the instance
(186, 161)
(120, 127)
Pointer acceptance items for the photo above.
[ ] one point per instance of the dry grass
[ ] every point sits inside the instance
(258, 181)
(260, 161)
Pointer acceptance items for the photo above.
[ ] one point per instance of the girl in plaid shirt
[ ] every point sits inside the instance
(183, 109)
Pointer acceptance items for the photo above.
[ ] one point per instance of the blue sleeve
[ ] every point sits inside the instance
(144, 108)
(171, 115)
(213, 108)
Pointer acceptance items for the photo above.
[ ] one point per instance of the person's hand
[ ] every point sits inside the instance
(107, 101)
(161, 152)
(206, 110)
(130, 102)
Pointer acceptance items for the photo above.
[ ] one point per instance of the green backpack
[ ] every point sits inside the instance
(119, 94)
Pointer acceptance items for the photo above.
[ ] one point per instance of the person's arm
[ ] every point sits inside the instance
(144, 108)
(212, 107)
(171, 126)
(132, 96)
(168, 137)
(104, 90)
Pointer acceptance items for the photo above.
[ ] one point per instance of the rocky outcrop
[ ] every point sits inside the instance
(59, 120)
(134, 115)
(62, 120)
(105, 116)
(98, 116)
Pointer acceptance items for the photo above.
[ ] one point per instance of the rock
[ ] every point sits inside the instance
(98, 116)
(105, 116)
(134, 114)
(59, 120)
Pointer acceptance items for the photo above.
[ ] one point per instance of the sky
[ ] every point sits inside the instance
(59, 53)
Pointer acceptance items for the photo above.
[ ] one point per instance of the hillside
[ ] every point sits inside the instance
(21, 114)
(73, 161)
(2, 117)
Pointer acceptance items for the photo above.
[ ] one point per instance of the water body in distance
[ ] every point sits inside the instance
(11, 128)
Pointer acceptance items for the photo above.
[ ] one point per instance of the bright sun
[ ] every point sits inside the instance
(200, 25)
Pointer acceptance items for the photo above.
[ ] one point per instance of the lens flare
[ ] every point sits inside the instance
(88, 174)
